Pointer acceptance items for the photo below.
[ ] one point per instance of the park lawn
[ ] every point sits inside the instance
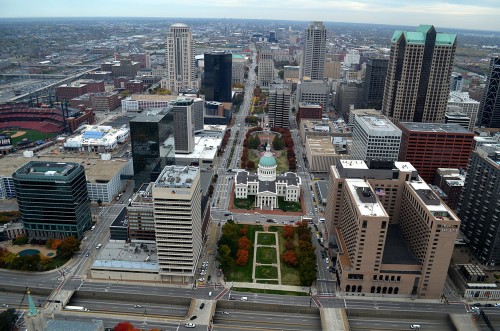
(253, 155)
(266, 255)
(266, 291)
(29, 134)
(266, 239)
(266, 272)
(247, 203)
(291, 206)
(282, 161)
(244, 273)
(289, 274)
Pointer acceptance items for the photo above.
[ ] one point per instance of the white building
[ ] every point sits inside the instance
(466, 105)
(313, 91)
(313, 56)
(375, 137)
(238, 69)
(179, 59)
(139, 102)
(95, 138)
(266, 185)
(351, 58)
(177, 213)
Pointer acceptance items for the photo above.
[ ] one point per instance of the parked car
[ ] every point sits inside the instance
(202, 305)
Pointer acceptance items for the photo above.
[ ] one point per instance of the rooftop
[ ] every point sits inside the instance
(120, 255)
(396, 249)
(151, 115)
(365, 199)
(434, 127)
(461, 97)
(353, 164)
(177, 176)
(321, 145)
(151, 97)
(377, 124)
(48, 168)
(418, 37)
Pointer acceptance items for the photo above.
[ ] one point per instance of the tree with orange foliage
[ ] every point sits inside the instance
(288, 231)
(125, 326)
(244, 231)
(290, 258)
(242, 257)
(244, 243)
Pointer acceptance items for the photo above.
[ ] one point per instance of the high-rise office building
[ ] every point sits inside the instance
(461, 102)
(418, 77)
(429, 146)
(480, 203)
(373, 86)
(53, 199)
(313, 55)
(152, 140)
(279, 108)
(375, 138)
(394, 235)
(313, 91)
(456, 82)
(265, 71)
(217, 80)
(179, 59)
(141, 222)
(489, 115)
(178, 224)
(184, 110)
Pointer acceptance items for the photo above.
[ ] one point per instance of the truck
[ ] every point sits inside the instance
(76, 308)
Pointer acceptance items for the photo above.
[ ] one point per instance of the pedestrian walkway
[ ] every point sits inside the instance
(256, 264)
(289, 288)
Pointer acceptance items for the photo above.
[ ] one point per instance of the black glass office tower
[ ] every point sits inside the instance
(53, 199)
(373, 86)
(152, 140)
(217, 81)
(489, 114)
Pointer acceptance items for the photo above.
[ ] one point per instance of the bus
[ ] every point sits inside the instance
(307, 219)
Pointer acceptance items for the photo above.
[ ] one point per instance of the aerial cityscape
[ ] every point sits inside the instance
(292, 172)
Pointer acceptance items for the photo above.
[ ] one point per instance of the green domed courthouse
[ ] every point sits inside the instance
(266, 185)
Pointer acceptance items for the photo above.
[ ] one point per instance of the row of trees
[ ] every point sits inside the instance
(225, 140)
(251, 141)
(302, 256)
(286, 141)
(234, 246)
(127, 326)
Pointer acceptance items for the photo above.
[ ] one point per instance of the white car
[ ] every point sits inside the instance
(225, 313)
(190, 325)
(201, 279)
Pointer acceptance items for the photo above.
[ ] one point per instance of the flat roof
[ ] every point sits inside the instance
(434, 127)
(377, 123)
(365, 198)
(396, 249)
(205, 147)
(151, 115)
(96, 169)
(404, 166)
(150, 97)
(177, 176)
(131, 256)
(321, 145)
(353, 164)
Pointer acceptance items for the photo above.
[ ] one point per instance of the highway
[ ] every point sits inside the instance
(382, 324)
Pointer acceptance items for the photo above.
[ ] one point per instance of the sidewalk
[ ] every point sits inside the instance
(304, 289)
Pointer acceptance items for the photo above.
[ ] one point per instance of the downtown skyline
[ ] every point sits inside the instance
(461, 14)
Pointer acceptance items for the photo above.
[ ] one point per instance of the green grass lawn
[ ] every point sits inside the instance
(266, 255)
(266, 239)
(289, 274)
(247, 203)
(265, 291)
(30, 135)
(281, 160)
(244, 273)
(266, 272)
(289, 205)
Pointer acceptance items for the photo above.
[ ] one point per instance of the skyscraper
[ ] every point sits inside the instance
(394, 234)
(265, 71)
(279, 108)
(218, 76)
(179, 59)
(184, 123)
(313, 55)
(418, 77)
(375, 137)
(178, 225)
(489, 115)
(152, 140)
(373, 86)
(53, 199)
(480, 203)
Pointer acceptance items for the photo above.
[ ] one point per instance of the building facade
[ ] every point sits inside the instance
(375, 137)
(309, 111)
(480, 203)
(265, 71)
(179, 59)
(373, 86)
(184, 123)
(178, 222)
(141, 220)
(279, 108)
(218, 76)
(418, 76)
(490, 105)
(266, 185)
(313, 54)
(238, 69)
(313, 91)
(429, 146)
(463, 103)
(53, 199)
(394, 236)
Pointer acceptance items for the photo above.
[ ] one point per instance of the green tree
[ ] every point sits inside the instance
(8, 319)
(278, 143)
(68, 247)
(253, 142)
(281, 73)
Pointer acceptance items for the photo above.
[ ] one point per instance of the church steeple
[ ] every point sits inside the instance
(33, 311)
(35, 319)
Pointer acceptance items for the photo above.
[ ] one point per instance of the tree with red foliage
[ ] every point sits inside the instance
(288, 231)
(125, 326)
(242, 256)
(243, 231)
(250, 165)
(244, 243)
(290, 258)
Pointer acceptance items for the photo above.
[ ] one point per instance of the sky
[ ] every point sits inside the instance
(465, 14)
